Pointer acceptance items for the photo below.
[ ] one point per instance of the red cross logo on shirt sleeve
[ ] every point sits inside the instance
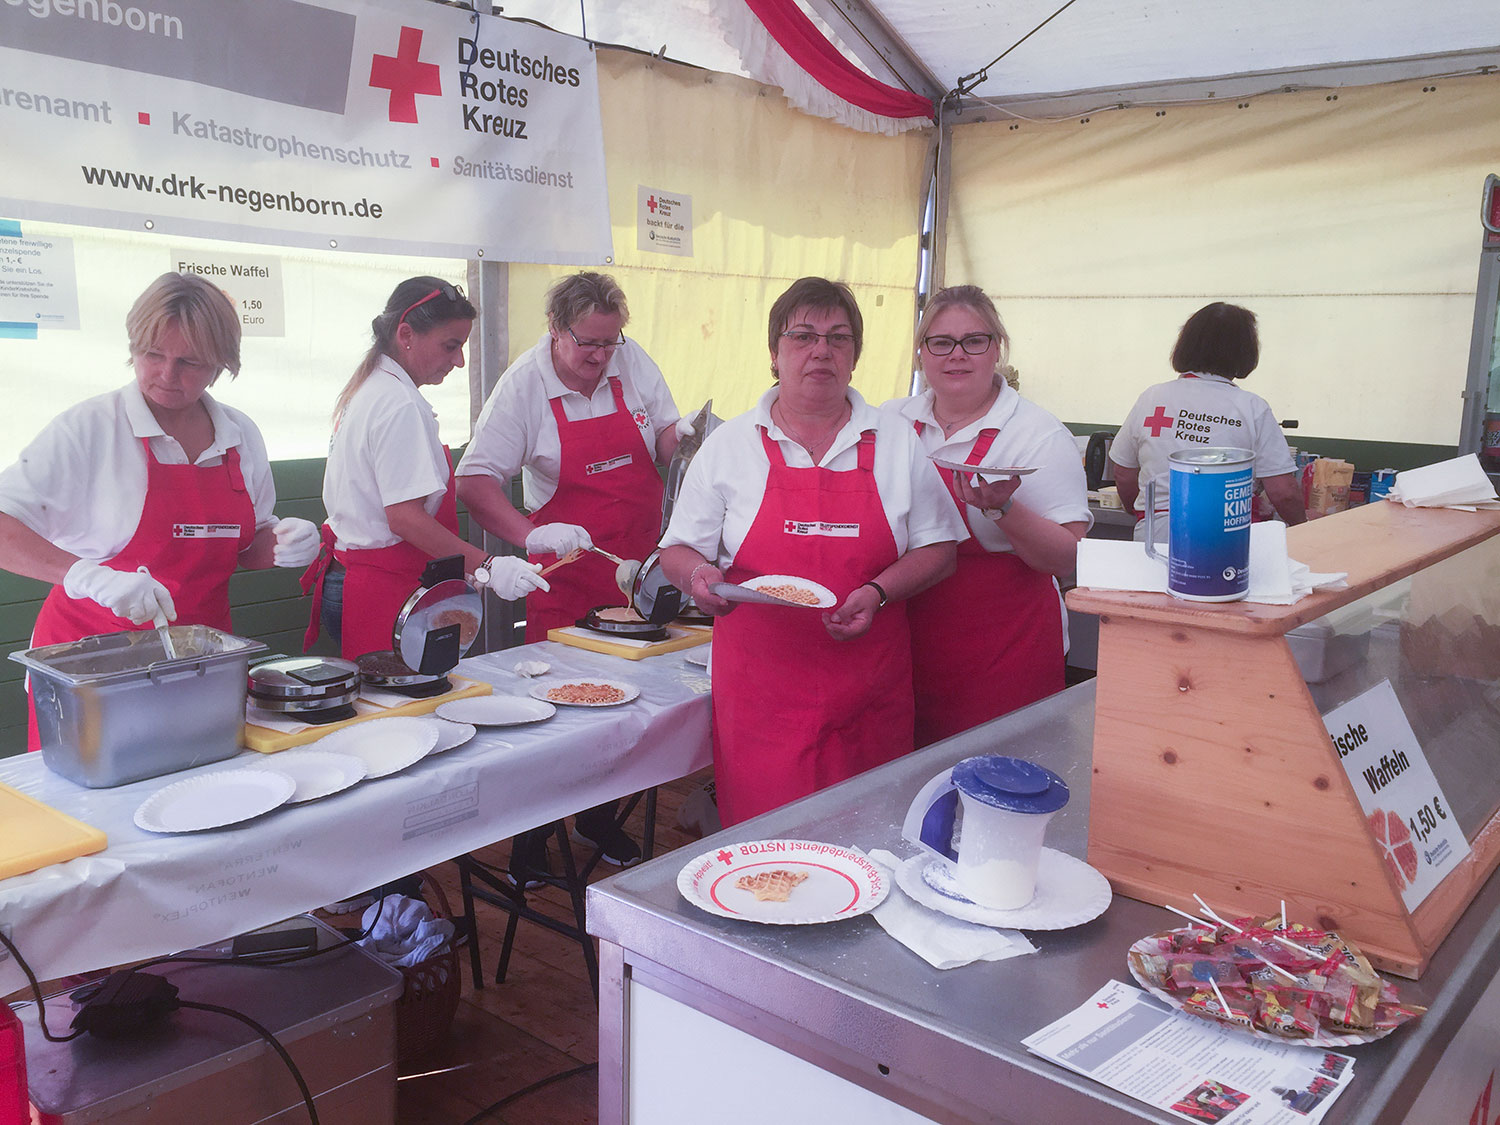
(406, 76)
(1159, 421)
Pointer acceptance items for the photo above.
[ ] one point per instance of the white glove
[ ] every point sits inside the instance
(126, 593)
(509, 577)
(297, 542)
(558, 539)
(685, 425)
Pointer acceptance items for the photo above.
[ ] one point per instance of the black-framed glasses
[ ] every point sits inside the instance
(597, 345)
(802, 338)
(447, 292)
(975, 343)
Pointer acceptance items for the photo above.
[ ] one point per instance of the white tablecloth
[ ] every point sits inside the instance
(146, 895)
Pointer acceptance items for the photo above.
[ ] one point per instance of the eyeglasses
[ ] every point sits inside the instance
(801, 338)
(976, 343)
(447, 292)
(598, 345)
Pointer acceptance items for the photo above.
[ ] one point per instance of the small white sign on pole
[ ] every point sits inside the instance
(664, 222)
(1408, 814)
(251, 281)
(38, 288)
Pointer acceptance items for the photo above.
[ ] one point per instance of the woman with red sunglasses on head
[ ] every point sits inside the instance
(389, 486)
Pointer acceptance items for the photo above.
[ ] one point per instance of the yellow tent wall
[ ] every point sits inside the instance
(1347, 220)
(776, 195)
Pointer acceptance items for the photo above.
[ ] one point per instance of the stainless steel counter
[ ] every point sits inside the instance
(849, 999)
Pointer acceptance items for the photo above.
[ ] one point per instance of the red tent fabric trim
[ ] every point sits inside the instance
(811, 50)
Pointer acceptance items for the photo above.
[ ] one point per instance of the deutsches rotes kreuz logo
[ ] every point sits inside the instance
(820, 527)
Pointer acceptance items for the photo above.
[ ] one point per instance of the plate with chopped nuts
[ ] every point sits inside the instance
(585, 693)
(784, 882)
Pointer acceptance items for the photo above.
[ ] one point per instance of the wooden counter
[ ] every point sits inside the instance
(1212, 769)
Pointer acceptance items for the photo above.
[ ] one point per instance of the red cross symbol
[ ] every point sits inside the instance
(1159, 421)
(724, 857)
(406, 76)
(789, 526)
(651, 204)
(1102, 1004)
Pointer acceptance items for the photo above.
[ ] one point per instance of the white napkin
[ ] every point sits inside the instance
(531, 668)
(405, 932)
(1457, 483)
(1275, 578)
(941, 941)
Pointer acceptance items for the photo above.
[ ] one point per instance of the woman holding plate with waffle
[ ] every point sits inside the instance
(989, 638)
(813, 484)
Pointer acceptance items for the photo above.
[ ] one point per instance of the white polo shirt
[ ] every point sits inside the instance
(726, 481)
(516, 430)
(1196, 411)
(1029, 437)
(81, 483)
(386, 450)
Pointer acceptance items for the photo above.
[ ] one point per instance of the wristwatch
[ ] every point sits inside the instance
(879, 589)
(998, 513)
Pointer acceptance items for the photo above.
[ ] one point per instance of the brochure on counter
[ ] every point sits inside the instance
(1193, 1069)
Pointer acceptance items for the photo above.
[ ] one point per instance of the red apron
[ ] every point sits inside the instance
(194, 523)
(610, 485)
(794, 710)
(987, 639)
(377, 582)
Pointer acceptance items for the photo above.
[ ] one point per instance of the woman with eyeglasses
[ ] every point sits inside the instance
(388, 487)
(587, 416)
(813, 482)
(145, 500)
(989, 639)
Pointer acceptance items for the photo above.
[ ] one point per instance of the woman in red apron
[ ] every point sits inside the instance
(587, 413)
(989, 639)
(804, 699)
(388, 488)
(198, 520)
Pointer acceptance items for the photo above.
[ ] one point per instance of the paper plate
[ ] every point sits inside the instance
(451, 735)
(1323, 1037)
(826, 600)
(839, 883)
(387, 746)
(543, 692)
(698, 656)
(213, 800)
(318, 773)
(495, 711)
(996, 471)
(1068, 893)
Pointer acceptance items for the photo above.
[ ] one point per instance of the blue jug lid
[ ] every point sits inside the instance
(1010, 784)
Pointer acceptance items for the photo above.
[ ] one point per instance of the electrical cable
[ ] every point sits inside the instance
(307, 1098)
(36, 991)
(517, 1095)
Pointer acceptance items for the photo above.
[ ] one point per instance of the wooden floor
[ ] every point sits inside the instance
(541, 1022)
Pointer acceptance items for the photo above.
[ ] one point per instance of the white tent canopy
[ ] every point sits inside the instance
(1113, 50)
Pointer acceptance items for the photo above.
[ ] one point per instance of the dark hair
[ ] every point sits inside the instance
(422, 302)
(1218, 339)
(821, 294)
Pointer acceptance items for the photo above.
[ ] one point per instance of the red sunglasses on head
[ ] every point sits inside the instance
(446, 291)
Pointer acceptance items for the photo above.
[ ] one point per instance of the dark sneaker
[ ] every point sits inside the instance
(615, 848)
(530, 864)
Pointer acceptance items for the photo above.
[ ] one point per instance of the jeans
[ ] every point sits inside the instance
(332, 617)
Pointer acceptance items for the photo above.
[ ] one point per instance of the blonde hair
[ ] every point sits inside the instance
(977, 301)
(200, 309)
(422, 302)
(582, 294)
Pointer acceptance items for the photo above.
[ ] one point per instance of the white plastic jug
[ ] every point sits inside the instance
(1006, 805)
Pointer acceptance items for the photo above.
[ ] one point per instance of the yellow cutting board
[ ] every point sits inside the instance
(268, 740)
(33, 835)
(678, 637)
